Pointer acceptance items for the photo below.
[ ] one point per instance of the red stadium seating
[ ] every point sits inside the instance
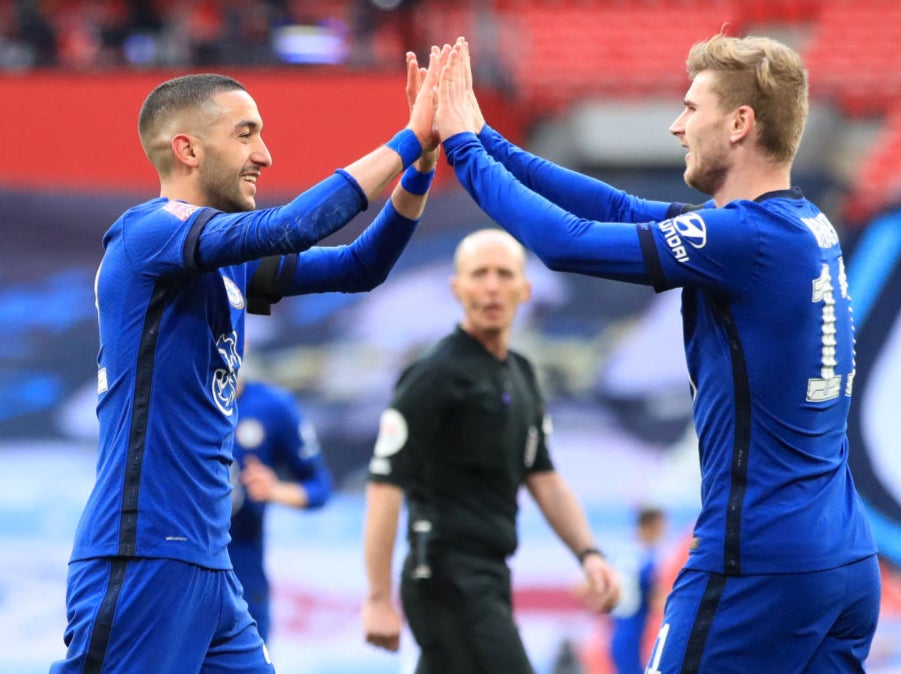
(878, 179)
(607, 48)
(852, 55)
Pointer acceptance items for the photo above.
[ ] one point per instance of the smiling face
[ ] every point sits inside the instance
(703, 128)
(233, 152)
(490, 283)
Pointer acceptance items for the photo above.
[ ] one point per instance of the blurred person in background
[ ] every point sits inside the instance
(782, 574)
(638, 570)
(277, 459)
(641, 593)
(466, 428)
(150, 587)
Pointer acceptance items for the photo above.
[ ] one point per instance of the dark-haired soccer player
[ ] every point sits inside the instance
(150, 587)
(782, 574)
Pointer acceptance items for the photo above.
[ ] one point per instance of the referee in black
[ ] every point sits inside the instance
(466, 427)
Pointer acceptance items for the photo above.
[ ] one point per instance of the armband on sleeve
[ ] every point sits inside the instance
(265, 286)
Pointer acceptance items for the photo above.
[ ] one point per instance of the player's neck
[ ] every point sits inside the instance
(752, 180)
(495, 342)
(182, 191)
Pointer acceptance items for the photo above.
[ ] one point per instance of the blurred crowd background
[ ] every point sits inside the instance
(591, 84)
(546, 57)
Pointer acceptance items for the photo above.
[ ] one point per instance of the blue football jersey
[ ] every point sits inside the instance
(768, 336)
(171, 291)
(171, 342)
(770, 410)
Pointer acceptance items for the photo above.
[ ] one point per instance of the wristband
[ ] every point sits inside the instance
(415, 182)
(589, 551)
(406, 144)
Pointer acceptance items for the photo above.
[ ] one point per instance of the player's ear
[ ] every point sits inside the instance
(186, 149)
(742, 122)
(455, 287)
(526, 293)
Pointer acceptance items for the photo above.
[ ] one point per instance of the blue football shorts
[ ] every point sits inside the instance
(804, 623)
(158, 616)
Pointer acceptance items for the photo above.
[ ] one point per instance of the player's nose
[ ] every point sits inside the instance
(261, 155)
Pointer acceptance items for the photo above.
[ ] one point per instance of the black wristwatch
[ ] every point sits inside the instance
(589, 551)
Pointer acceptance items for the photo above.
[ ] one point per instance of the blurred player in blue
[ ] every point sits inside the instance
(640, 583)
(277, 459)
(638, 568)
(151, 588)
(782, 574)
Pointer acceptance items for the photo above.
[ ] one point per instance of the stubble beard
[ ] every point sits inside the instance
(222, 191)
(706, 179)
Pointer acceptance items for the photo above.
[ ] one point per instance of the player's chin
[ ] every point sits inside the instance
(248, 202)
(249, 194)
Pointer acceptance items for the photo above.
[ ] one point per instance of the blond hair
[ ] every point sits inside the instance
(765, 75)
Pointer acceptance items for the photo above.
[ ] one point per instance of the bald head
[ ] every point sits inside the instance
(490, 283)
(183, 104)
(473, 245)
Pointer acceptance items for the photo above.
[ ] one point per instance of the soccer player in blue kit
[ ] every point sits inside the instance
(277, 459)
(782, 575)
(641, 587)
(150, 586)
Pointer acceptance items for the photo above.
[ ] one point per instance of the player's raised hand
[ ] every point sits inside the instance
(421, 96)
(477, 119)
(416, 77)
(451, 115)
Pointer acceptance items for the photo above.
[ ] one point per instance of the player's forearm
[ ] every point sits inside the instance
(410, 195)
(575, 192)
(375, 171)
(318, 212)
(357, 267)
(289, 494)
(561, 240)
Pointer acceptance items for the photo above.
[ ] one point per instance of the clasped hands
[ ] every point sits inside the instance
(441, 97)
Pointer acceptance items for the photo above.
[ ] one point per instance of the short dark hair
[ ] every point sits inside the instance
(648, 515)
(181, 93)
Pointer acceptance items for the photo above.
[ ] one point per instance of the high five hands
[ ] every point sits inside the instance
(442, 100)
(458, 109)
(422, 99)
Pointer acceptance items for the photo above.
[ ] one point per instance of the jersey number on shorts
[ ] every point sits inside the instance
(657, 653)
